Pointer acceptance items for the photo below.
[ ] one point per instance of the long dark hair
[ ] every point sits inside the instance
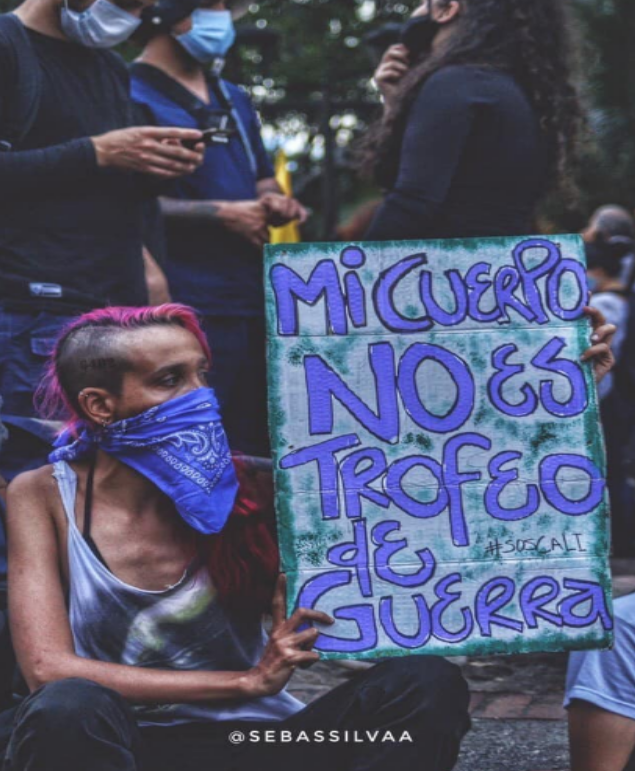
(527, 38)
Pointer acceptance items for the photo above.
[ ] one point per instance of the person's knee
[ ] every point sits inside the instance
(429, 673)
(426, 683)
(64, 723)
(70, 704)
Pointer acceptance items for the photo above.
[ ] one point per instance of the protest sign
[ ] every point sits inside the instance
(438, 458)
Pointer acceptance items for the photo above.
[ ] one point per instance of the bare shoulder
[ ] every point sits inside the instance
(30, 487)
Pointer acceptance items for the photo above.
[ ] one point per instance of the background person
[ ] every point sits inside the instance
(608, 293)
(74, 178)
(600, 687)
(158, 653)
(600, 700)
(610, 237)
(218, 218)
(74, 175)
(480, 117)
(610, 297)
(615, 224)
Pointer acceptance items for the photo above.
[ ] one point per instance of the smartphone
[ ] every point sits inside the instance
(210, 136)
(218, 134)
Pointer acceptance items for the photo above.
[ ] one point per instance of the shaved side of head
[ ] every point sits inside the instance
(97, 357)
(97, 349)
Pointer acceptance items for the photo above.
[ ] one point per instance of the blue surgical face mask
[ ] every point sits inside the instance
(180, 446)
(103, 25)
(211, 36)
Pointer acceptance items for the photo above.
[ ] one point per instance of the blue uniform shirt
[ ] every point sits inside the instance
(216, 271)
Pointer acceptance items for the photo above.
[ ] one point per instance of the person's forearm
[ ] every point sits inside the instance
(156, 281)
(141, 685)
(191, 211)
(48, 168)
(268, 185)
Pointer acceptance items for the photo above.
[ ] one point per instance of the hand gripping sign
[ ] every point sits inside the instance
(438, 459)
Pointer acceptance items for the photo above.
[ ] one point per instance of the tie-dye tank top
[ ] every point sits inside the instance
(180, 628)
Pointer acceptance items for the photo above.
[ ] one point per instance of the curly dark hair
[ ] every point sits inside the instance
(527, 38)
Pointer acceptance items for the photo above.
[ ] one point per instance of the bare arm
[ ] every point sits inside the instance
(39, 617)
(244, 218)
(191, 211)
(43, 640)
(249, 219)
(156, 281)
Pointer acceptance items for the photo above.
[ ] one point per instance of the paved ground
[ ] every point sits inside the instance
(519, 723)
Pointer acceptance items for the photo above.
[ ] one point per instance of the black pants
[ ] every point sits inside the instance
(77, 725)
(239, 377)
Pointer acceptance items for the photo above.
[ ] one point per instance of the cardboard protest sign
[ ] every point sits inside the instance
(438, 458)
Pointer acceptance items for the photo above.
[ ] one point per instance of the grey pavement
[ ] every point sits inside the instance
(515, 745)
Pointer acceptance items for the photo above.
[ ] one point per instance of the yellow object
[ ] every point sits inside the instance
(287, 234)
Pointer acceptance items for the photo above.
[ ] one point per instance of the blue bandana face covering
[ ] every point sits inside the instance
(180, 446)
(211, 36)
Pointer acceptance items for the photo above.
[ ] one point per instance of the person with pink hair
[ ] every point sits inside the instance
(141, 563)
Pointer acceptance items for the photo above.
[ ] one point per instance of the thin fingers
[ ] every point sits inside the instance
(306, 638)
(161, 133)
(596, 316)
(162, 172)
(599, 351)
(399, 67)
(177, 152)
(302, 615)
(391, 73)
(604, 334)
(172, 167)
(305, 659)
(399, 52)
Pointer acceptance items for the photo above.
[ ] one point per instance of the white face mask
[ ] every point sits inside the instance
(103, 25)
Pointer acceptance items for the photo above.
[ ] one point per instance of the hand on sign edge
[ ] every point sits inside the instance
(600, 352)
(288, 646)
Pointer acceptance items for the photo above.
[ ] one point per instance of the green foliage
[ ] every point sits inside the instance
(607, 81)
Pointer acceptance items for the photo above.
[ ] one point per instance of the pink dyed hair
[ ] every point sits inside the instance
(51, 399)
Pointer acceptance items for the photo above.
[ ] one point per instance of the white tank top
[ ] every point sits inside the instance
(183, 627)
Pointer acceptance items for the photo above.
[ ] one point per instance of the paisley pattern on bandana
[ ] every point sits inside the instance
(204, 446)
(180, 446)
